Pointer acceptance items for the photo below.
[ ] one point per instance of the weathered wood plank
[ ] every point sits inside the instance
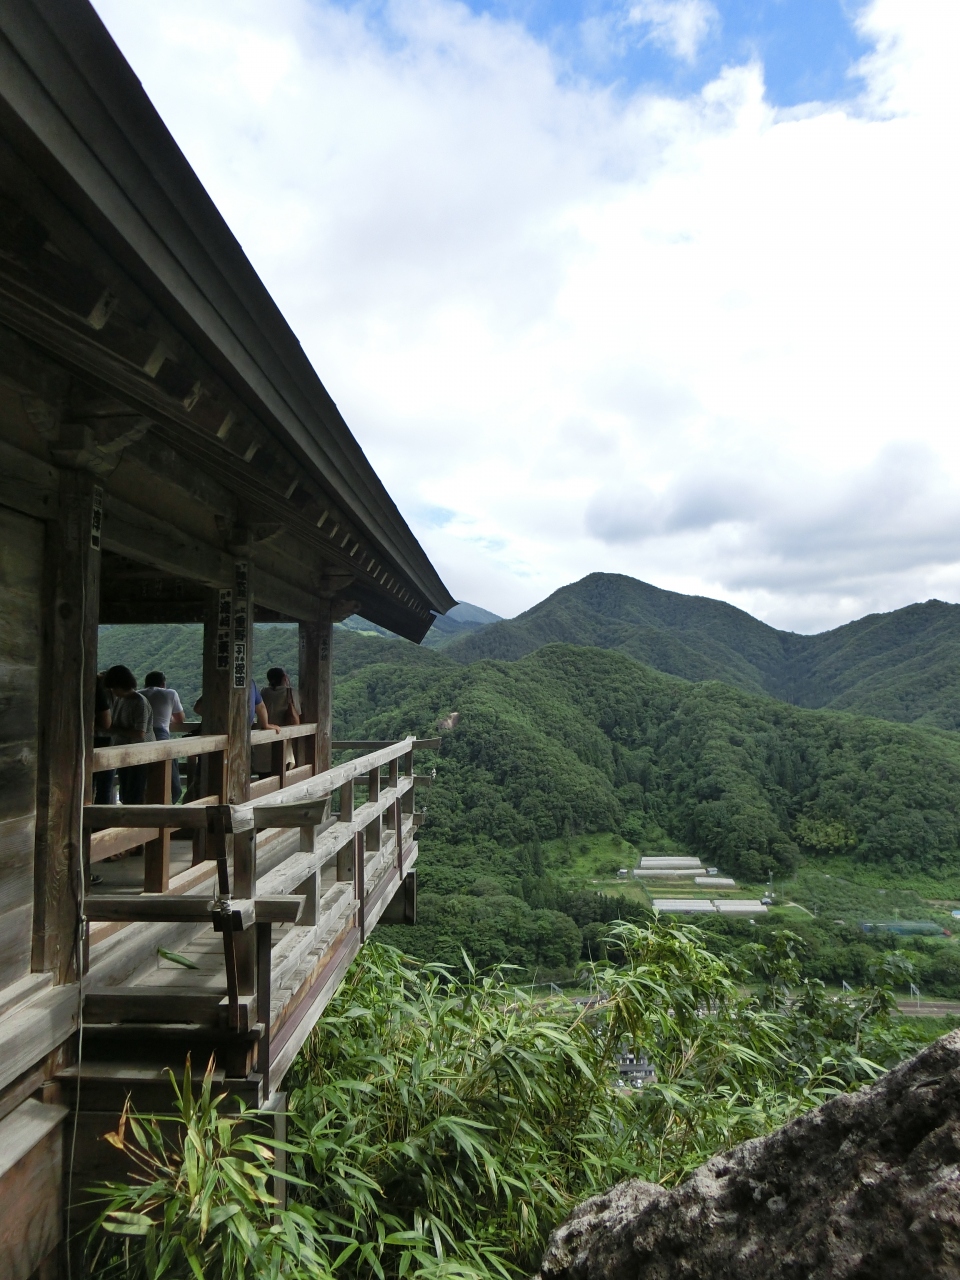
(68, 662)
(323, 783)
(27, 484)
(31, 1031)
(151, 752)
(100, 817)
(105, 844)
(261, 737)
(260, 787)
(16, 862)
(15, 934)
(152, 907)
(31, 1174)
(363, 744)
(134, 533)
(168, 1004)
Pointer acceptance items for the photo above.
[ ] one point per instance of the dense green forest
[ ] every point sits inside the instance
(903, 665)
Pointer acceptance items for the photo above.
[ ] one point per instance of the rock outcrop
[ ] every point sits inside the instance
(867, 1186)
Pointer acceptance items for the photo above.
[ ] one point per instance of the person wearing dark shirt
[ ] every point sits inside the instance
(132, 722)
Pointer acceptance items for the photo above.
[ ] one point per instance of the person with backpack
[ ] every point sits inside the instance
(131, 719)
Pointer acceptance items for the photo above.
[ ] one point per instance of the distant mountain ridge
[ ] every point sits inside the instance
(902, 666)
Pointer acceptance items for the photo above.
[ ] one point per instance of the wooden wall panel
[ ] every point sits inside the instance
(21, 569)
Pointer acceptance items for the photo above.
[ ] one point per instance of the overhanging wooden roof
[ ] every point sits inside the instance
(153, 299)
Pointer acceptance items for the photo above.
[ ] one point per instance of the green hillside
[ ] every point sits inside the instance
(902, 666)
(570, 740)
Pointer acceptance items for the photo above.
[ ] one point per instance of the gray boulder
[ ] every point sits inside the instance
(866, 1187)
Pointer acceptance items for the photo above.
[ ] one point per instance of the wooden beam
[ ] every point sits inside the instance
(27, 484)
(150, 752)
(177, 1004)
(154, 907)
(142, 537)
(100, 817)
(316, 683)
(363, 744)
(68, 669)
(173, 908)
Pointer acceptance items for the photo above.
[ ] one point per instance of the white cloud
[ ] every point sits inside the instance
(679, 26)
(693, 339)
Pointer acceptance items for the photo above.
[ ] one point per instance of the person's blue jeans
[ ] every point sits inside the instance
(176, 786)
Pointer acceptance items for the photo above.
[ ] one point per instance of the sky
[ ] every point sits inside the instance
(658, 287)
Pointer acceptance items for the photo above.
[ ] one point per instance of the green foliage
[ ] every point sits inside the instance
(572, 740)
(201, 1206)
(440, 1127)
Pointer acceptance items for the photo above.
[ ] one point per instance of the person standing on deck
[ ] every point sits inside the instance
(132, 722)
(282, 707)
(167, 715)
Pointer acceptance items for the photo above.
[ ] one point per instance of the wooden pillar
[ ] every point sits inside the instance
(374, 829)
(156, 853)
(316, 683)
(227, 645)
(68, 670)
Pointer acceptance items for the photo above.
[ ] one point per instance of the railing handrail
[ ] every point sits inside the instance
(259, 737)
(100, 817)
(152, 752)
(188, 745)
(322, 784)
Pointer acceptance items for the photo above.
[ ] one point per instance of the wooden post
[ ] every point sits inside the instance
(374, 829)
(227, 638)
(68, 671)
(156, 853)
(316, 684)
(398, 825)
(346, 860)
(346, 801)
(264, 943)
(360, 889)
(245, 886)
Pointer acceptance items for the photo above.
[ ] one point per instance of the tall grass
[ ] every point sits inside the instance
(441, 1127)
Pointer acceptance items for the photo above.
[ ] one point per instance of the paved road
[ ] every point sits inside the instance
(930, 1008)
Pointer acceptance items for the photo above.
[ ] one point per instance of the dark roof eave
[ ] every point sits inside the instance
(113, 162)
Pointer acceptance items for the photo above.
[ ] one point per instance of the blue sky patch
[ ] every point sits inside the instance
(808, 47)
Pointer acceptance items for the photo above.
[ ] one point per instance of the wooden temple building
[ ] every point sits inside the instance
(167, 454)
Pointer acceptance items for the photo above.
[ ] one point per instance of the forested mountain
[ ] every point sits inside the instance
(572, 739)
(903, 665)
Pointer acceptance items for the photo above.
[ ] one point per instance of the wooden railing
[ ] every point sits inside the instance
(341, 865)
(159, 757)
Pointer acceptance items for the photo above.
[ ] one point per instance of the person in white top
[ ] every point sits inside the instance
(167, 715)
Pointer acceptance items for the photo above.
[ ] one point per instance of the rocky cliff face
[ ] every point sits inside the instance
(866, 1186)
